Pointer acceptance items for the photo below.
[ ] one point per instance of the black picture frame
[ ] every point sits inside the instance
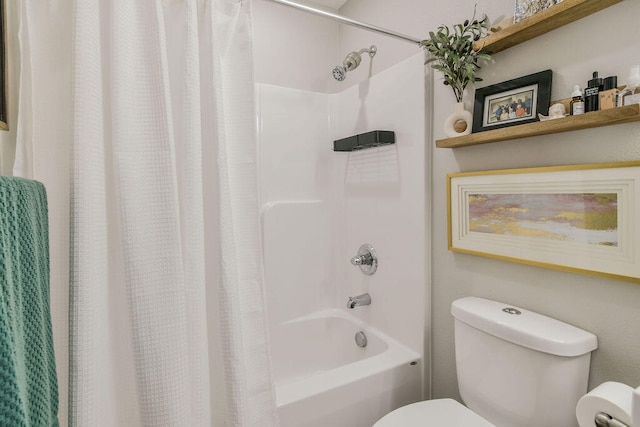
(4, 123)
(514, 102)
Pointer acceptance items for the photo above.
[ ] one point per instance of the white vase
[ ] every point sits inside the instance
(458, 120)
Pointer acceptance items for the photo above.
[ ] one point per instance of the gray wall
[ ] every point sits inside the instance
(609, 42)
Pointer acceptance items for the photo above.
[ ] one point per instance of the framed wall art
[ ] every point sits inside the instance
(578, 218)
(514, 102)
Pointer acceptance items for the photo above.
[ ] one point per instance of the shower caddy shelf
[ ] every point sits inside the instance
(557, 16)
(372, 139)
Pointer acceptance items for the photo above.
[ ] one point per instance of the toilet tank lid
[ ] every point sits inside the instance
(528, 329)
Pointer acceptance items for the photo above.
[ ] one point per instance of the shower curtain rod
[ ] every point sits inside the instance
(348, 21)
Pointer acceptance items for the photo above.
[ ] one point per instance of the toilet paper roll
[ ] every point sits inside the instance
(635, 412)
(612, 398)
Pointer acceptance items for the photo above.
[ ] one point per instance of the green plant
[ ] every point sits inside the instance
(452, 50)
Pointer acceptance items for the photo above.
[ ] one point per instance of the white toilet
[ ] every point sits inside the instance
(515, 368)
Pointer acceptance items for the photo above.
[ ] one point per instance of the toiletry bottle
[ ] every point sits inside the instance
(631, 94)
(609, 93)
(576, 106)
(591, 93)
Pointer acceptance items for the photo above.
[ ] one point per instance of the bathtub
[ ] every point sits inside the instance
(323, 378)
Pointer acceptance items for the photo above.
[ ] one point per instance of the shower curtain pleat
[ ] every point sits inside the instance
(163, 150)
(249, 389)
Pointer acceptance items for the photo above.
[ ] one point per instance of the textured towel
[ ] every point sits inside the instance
(28, 384)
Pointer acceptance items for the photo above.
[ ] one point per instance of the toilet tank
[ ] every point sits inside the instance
(517, 368)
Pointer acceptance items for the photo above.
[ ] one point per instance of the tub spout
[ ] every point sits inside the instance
(364, 299)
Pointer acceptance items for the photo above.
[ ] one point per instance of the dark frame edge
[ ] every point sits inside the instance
(542, 78)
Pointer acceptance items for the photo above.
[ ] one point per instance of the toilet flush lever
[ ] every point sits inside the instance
(366, 259)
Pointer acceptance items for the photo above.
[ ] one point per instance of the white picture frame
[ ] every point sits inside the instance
(578, 218)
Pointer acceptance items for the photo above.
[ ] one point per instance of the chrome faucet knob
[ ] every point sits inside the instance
(366, 260)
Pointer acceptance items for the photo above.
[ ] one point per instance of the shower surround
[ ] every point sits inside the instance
(318, 207)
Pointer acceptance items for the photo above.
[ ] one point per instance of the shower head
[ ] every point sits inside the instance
(339, 73)
(351, 62)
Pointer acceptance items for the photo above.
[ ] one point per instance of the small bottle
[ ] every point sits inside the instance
(609, 93)
(576, 106)
(631, 94)
(592, 94)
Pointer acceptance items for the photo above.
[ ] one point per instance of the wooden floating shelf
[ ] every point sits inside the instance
(614, 116)
(549, 19)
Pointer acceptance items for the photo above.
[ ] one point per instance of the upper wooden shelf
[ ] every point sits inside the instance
(549, 19)
(626, 114)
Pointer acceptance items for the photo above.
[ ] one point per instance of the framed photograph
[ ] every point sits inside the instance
(4, 123)
(526, 8)
(579, 218)
(513, 102)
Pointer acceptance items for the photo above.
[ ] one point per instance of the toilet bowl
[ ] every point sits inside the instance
(438, 412)
(515, 368)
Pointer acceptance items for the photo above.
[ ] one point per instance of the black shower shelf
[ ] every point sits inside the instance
(361, 141)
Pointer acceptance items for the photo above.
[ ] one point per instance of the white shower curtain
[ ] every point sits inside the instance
(154, 106)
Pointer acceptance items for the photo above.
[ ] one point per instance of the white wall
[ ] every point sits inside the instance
(294, 149)
(293, 48)
(379, 197)
(371, 194)
(319, 206)
(414, 18)
(609, 42)
(294, 165)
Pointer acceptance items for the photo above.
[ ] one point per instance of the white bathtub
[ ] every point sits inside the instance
(324, 379)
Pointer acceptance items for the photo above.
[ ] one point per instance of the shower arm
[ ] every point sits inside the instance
(371, 51)
(348, 21)
(353, 59)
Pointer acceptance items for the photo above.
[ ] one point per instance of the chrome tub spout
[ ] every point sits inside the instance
(364, 299)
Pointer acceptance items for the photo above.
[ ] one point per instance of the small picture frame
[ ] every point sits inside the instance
(526, 8)
(514, 102)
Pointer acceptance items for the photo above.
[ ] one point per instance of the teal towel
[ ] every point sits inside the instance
(28, 383)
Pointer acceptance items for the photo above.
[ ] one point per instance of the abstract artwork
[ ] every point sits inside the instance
(585, 218)
(578, 218)
(527, 8)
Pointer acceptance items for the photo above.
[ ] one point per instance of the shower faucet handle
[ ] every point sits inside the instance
(366, 259)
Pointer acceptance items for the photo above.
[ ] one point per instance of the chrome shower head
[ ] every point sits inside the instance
(351, 62)
(339, 73)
